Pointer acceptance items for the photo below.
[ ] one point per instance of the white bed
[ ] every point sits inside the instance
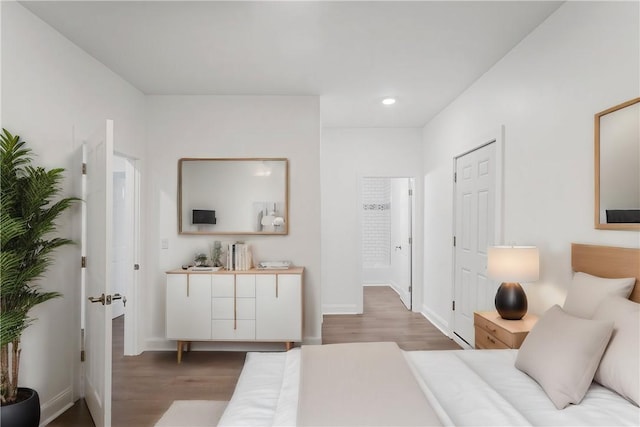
(469, 388)
(464, 387)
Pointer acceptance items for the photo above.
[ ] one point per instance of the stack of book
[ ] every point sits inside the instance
(239, 257)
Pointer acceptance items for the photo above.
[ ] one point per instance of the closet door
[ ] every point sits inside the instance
(475, 212)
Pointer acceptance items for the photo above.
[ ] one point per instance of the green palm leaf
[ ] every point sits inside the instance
(30, 206)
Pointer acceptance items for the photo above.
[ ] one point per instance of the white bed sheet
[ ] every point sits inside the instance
(267, 391)
(466, 388)
(483, 387)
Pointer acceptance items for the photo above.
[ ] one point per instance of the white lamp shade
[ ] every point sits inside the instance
(513, 263)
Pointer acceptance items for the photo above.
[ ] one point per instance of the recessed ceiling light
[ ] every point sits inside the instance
(389, 101)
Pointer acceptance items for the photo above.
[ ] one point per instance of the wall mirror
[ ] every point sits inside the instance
(617, 167)
(233, 196)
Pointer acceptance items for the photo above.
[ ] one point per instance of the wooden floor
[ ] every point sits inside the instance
(385, 318)
(144, 386)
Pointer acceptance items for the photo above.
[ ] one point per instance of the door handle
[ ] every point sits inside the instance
(100, 300)
(122, 297)
(106, 299)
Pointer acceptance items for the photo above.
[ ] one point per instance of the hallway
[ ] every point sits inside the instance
(385, 319)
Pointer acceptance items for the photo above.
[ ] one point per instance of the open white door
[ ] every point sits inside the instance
(401, 219)
(99, 199)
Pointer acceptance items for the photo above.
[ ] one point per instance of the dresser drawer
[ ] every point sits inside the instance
(485, 340)
(224, 330)
(245, 286)
(222, 285)
(496, 331)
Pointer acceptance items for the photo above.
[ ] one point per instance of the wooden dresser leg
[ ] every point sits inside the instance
(179, 351)
(288, 345)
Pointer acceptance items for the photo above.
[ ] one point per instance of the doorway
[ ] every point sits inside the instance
(125, 243)
(476, 212)
(386, 218)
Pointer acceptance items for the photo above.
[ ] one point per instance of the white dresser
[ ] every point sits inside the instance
(253, 305)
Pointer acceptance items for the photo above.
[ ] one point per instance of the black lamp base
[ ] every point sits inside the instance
(511, 301)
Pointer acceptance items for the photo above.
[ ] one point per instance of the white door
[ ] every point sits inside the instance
(98, 197)
(401, 207)
(474, 232)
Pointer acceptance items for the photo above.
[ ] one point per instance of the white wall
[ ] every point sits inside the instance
(348, 155)
(375, 217)
(581, 60)
(53, 95)
(232, 126)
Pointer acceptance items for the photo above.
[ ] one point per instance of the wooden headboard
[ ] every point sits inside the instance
(608, 261)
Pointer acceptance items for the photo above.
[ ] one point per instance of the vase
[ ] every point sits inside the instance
(24, 413)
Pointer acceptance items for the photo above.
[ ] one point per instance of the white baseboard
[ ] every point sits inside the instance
(339, 309)
(53, 408)
(437, 321)
(462, 343)
(312, 341)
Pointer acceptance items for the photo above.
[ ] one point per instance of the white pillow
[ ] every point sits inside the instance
(562, 353)
(619, 368)
(587, 292)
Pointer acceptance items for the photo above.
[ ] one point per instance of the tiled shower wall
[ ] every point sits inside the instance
(376, 222)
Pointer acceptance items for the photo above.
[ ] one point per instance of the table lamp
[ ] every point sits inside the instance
(510, 265)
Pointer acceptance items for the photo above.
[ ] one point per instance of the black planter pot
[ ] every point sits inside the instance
(24, 413)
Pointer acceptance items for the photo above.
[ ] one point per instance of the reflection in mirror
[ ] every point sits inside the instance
(233, 196)
(617, 167)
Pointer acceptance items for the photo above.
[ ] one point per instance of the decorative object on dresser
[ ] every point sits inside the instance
(216, 253)
(492, 331)
(200, 260)
(253, 305)
(239, 257)
(512, 264)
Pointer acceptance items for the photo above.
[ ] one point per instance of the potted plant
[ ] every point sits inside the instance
(28, 212)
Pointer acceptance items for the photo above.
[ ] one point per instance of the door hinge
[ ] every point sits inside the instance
(83, 262)
(82, 355)
(410, 289)
(410, 240)
(455, 177)
(453, 305)
(410, 192)
(84, 169)
(454, 241)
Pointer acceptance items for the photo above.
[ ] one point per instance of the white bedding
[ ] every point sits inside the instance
(466, 387)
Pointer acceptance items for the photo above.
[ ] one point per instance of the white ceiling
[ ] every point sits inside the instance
(351, 54)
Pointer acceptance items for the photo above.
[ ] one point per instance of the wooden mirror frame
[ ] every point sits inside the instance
(599, 225)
